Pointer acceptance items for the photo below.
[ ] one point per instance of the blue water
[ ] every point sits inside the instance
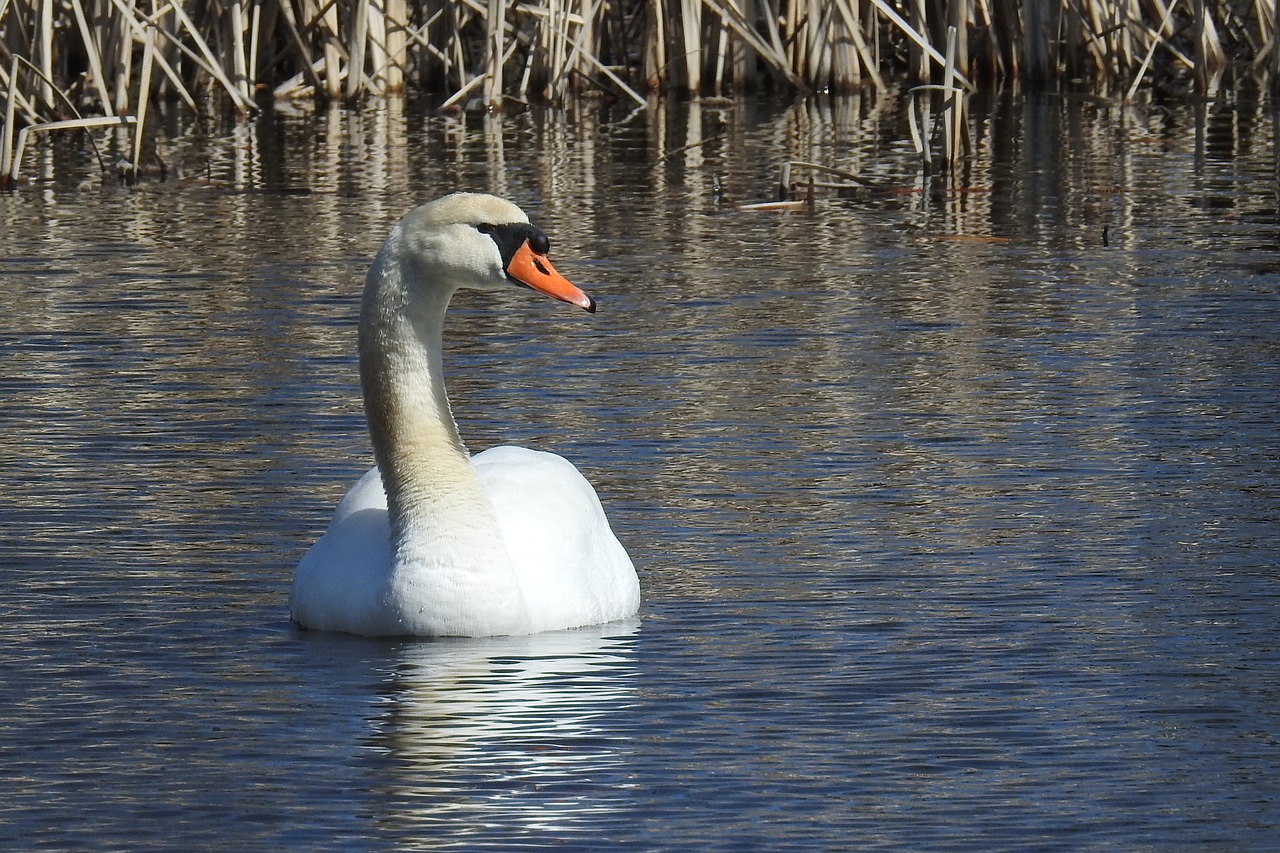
(956, 509)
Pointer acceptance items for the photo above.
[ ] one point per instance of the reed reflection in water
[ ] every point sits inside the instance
(956, 522)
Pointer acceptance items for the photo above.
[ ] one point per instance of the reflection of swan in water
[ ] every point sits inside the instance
(507, 737)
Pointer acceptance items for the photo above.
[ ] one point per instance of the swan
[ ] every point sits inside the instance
(432, 541)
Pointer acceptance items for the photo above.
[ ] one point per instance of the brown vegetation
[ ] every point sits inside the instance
(64, 60)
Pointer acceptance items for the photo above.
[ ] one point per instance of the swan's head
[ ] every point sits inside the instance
(477, 241)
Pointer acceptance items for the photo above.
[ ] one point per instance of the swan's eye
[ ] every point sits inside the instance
(511, 237)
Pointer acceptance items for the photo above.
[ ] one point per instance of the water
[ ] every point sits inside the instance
(956, 512)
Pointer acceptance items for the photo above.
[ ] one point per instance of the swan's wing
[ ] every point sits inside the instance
(367, 493)
(572, 569)
(339, 582)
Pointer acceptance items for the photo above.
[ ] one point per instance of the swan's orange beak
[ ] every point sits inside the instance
(535, 271)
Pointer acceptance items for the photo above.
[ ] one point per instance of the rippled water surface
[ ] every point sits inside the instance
(956, 505)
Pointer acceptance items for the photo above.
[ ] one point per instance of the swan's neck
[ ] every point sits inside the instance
(415, 440)
(449, 557)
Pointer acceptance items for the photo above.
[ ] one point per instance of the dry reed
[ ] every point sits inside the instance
(61, 58)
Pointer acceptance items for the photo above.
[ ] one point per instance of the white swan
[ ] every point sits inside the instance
(510, 541)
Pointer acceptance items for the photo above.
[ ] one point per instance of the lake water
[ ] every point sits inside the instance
(956, 507)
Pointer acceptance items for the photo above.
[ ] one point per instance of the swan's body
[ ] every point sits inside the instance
(510, 541)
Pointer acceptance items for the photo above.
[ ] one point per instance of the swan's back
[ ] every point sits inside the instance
(571, 568)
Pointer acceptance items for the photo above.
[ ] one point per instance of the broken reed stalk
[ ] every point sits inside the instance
(6, 133)
(95, 60)
(954, 105)
(69, 124)
(921, 117)
(148, 55)
(495, 55)
(13, 144)
(1151, 50)
(88, 50)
